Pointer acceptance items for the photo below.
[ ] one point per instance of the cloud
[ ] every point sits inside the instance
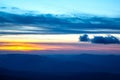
(84, 38)
(105, 40)
(3, 7)
(57, 24)
(100, 39)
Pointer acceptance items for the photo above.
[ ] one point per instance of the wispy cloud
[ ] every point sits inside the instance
(58, 24)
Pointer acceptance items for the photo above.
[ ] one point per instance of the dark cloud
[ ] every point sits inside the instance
(105, 40)
(100, 39)
(58, 24)
(84, 38)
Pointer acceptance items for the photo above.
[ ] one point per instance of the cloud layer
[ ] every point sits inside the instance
(58, 24)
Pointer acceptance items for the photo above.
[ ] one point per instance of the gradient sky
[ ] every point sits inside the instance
(55, 44)
(36, 38)
(98, 7)
(41, 31)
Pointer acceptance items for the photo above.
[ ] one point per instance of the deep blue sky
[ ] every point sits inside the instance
(99, 7)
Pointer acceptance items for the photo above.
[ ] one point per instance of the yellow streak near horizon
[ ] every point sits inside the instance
(20, 47)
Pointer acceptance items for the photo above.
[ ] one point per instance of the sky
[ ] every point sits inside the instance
(45, 25)
(98, 7)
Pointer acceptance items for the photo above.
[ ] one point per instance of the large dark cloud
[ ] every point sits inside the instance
(58, 24)
(100, 39)
(105, 40)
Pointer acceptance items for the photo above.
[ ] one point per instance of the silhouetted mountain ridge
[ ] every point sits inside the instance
(65, 67)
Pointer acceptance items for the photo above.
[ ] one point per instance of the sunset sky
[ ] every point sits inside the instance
(60, 39)
(37, 25)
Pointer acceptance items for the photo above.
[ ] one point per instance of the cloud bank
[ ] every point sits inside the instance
(57, 24)
(100, 39)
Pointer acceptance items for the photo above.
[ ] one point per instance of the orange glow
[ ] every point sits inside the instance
(60, 47)
(20, 47)
(26, 46)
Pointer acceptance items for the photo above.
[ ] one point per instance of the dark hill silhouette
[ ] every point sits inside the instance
(59, 67)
